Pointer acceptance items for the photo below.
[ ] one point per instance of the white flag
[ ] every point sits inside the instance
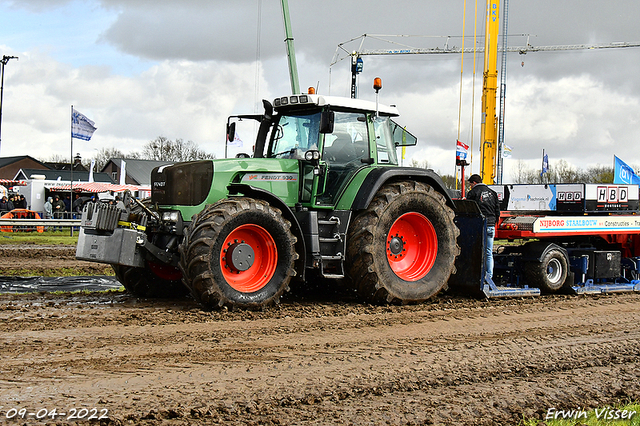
(93, 164)
(123, 173)
(236, 141)
(81, 126)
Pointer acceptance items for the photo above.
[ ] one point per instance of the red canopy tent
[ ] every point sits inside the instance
(98, 187)
(9, 182)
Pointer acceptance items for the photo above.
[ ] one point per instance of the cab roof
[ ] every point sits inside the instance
(297, 101)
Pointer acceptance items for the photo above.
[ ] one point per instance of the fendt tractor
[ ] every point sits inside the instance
(322, 196)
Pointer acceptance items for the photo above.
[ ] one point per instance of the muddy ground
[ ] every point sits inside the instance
(313, 361)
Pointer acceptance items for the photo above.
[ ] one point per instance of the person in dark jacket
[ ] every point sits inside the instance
(489, 204)
(23, 202)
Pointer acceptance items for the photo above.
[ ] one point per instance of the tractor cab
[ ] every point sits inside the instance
(332, 138)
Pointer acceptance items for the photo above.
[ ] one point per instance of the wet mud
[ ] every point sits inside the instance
(314, 360)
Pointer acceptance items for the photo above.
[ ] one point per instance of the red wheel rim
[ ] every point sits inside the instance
(412, 246)
(263, 258)
(166, 272)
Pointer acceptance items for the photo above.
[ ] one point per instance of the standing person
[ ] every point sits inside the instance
(67, 204)
(4, 204)
(489, 204)
(48, 208)
(58, 210)
(23, 202)
(10, 205)
(77, 204)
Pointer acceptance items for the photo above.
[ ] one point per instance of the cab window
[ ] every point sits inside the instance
(294, 135)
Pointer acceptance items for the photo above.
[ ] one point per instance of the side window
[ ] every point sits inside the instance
(385, 144)
(349, 141)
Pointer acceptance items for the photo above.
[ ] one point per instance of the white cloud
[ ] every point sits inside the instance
(142, 68)
(176, 99)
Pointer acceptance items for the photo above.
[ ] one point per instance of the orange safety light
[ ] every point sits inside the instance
(312, 91)
(377, 83)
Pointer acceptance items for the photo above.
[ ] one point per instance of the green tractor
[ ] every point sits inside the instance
(322, 197)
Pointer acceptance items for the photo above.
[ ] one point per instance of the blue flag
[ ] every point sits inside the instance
(545, 164)
(622, 173)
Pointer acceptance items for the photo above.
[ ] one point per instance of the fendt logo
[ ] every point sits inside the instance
(613, 194)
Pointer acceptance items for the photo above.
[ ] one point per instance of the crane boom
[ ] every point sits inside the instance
(516, 49)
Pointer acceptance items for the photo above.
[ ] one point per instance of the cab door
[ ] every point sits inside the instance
(344, 152)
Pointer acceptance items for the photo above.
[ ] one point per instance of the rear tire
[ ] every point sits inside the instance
(238, 252)
(550, 274)
(403, 247)
(155, 280)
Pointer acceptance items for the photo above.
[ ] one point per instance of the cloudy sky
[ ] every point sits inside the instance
(177, 68)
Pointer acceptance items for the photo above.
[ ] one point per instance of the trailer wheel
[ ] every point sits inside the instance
(238, 252)
(403, 247)
(155, 280)
(550, 273)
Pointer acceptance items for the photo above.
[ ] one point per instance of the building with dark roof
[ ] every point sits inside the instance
(10, 166)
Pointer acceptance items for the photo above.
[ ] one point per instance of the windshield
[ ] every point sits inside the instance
(294, 135)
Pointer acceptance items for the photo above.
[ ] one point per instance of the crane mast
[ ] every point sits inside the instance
(291, 52)
(489, 120)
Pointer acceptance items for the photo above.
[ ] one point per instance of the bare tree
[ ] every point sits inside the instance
(598, 174)
(421, 164)
(57, 158)
(164, 149)
(104, 155)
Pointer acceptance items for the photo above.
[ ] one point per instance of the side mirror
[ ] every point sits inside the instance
(231, 132)
(326, 122)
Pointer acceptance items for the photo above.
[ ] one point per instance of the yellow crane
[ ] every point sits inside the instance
(489, 119)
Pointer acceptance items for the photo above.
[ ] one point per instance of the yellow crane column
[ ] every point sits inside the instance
(489, 121)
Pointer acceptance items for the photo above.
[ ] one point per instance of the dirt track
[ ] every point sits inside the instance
(450, 361)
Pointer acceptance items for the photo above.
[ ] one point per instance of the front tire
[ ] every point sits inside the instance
(155, 280)
(238, 252)
(403, 247)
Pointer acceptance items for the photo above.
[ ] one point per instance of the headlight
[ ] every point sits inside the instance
(170, 216)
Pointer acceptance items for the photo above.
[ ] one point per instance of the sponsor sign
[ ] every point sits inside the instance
(531, 198)
(573, 224)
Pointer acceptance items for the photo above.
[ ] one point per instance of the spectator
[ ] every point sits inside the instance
(58, 207)
(58, 210)
(4, 204)
(77, 204)
(23, 202)
(10, 205)
(48, 208)
(67, 203)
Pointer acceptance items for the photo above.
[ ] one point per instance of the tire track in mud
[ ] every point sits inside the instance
(449, 361)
